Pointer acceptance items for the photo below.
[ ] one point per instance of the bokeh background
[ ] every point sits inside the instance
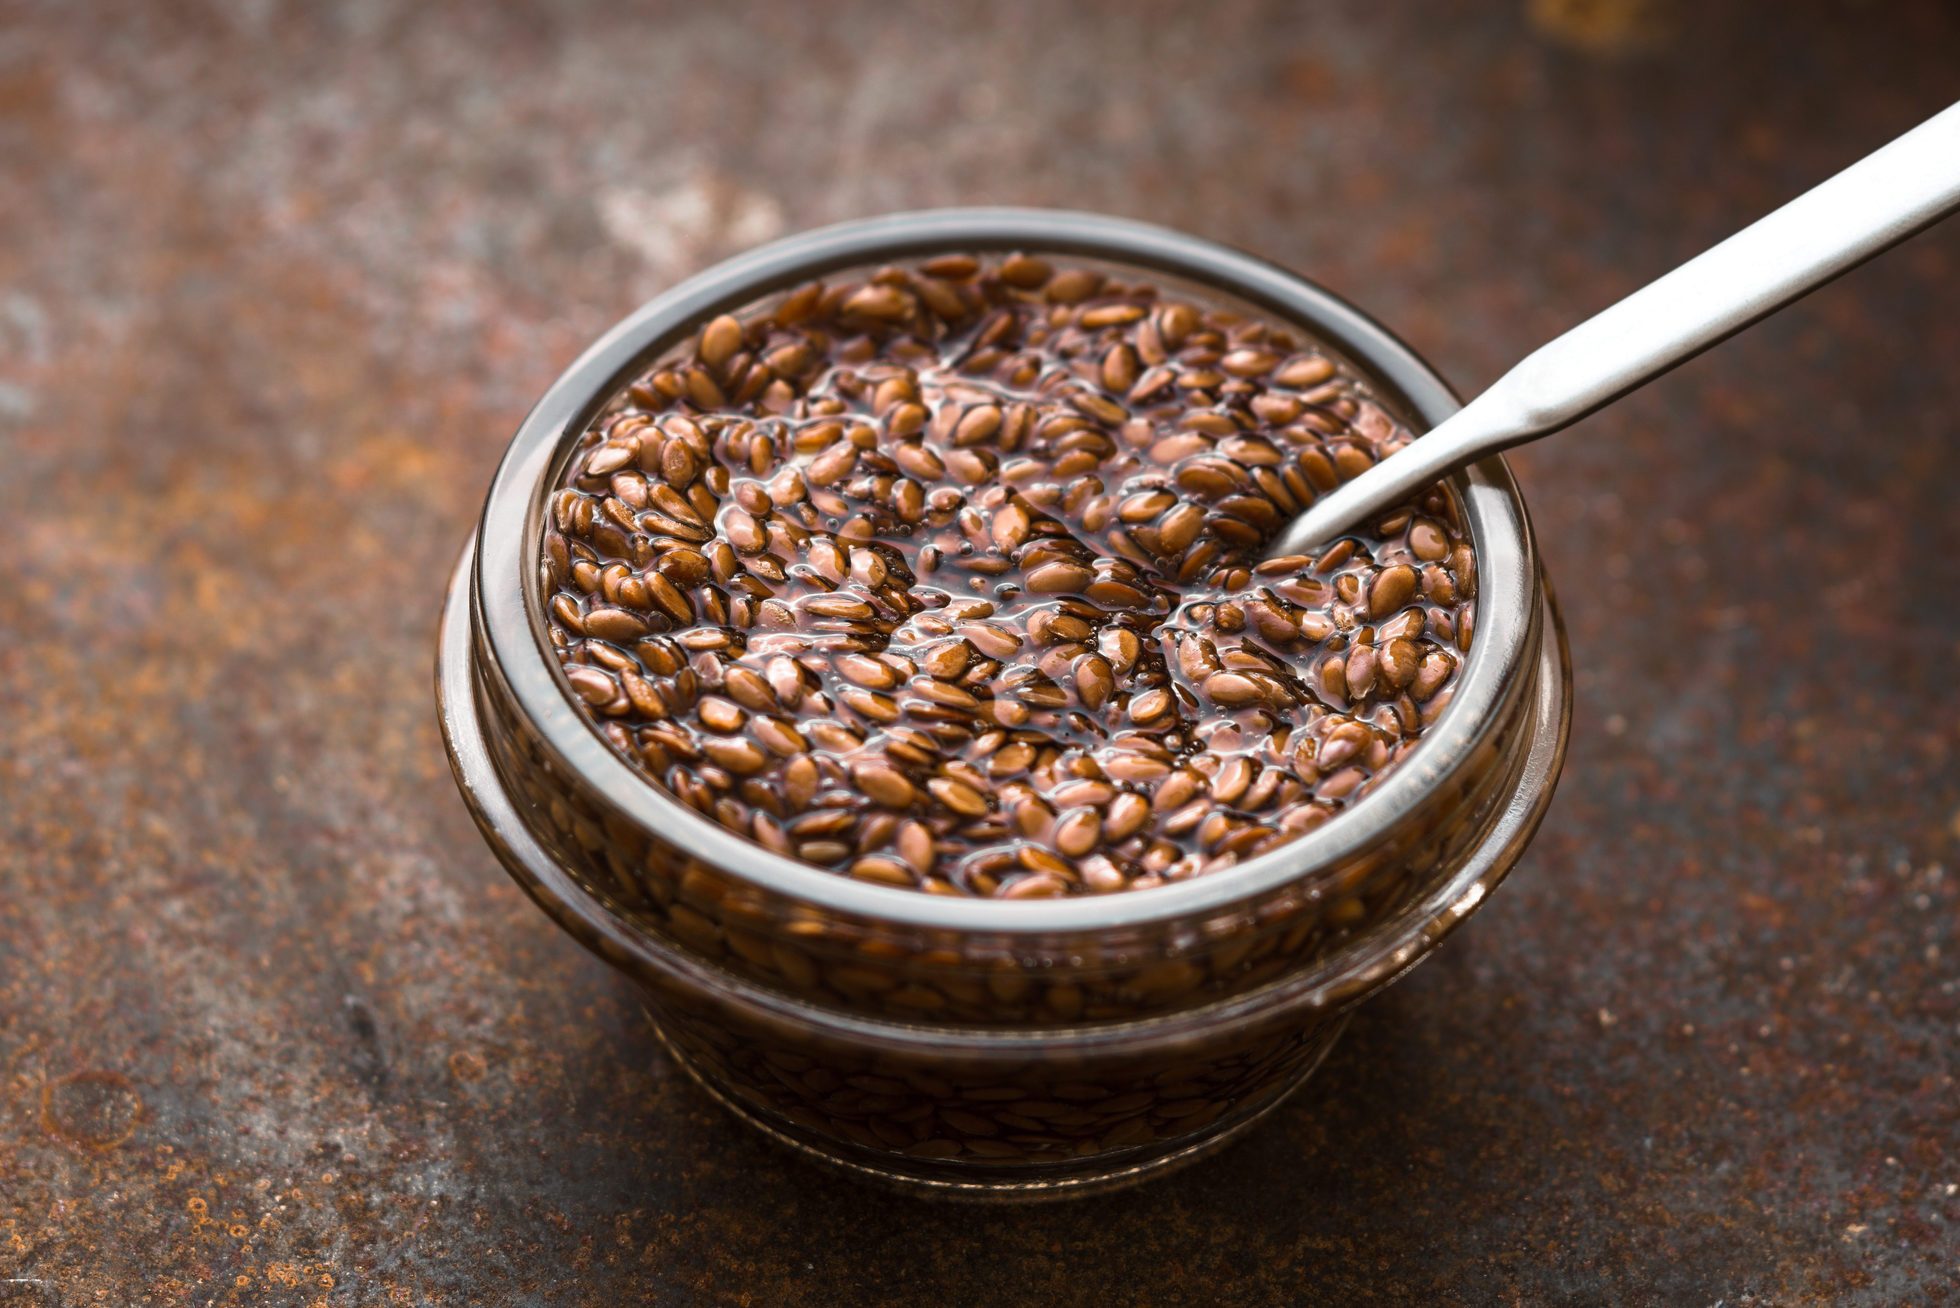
(277, 281)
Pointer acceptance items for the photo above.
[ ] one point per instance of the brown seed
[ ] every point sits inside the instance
(1135, 767)
(862, 670)
(919, 462)
(1406, 625)
(743, 531)
(1127, 813)
(832, 735)
(1038, 885)
(1145, 506)
(1078, 793)
(1150, 707)
(641, 693)
(1035, 820)
(1434, 669)
(1186, 818)
(1350, 461)
(786, 679)
(1078, 831)
(1360, 671)
(1248, 363)
(883, 871)
(1073, 285)
(1397, 663)
(607, 459)
(1010, 760)
(943, 693)
(916, 846)
(1197, 657)
(1437, 585)
(838, 606)
(878, 707)
(1119, 369)
(718, 714)
(1303, 372)
(1111, 315)
(1010, 528)
(616, 625)
(720, 340)
(679, 464)
(949, 660)
(886, 303)
(1341, 784)
(1068, 627)
(953, 267)
(1025, 271)
(800, 780)
(970, 466)
(594, 686)
(869, 568)
(1390, 590)
(1094, 680)
(1120, 646)
(885, 784)
(740, 756)
(748, 688)
(778, 736)
(1176, 322)
(830, 467)
(1427, 541)
(701, 390)
(1232, 689)
(1006, 711)
(669, 597)
(991, 639)
(1059, 578)
(958, 796)
(1173, 448)
(1232, 779)
(1464, 565)
(977, 424)
(1341, 744)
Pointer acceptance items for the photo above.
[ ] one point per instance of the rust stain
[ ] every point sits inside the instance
(91, 1110)
(466, 1066)
(1605, 27)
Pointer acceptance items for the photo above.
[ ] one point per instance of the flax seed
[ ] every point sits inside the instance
(926, 576)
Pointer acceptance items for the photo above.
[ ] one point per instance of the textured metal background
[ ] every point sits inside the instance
(277, 282)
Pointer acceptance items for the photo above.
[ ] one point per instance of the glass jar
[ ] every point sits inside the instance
(975, 1047)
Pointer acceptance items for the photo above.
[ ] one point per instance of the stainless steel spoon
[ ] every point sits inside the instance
(1870, 206)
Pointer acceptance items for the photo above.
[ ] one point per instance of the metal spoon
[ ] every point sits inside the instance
(1870, 206)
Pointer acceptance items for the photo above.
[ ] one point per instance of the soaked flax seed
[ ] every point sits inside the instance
(947, 576)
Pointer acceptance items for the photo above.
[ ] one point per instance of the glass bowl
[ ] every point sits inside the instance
(986, 1048)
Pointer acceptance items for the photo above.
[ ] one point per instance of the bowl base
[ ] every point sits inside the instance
(1030, 1183)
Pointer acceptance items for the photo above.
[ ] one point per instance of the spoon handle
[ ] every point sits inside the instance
(1870, 206)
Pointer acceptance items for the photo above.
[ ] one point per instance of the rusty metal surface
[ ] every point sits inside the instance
(276, 283)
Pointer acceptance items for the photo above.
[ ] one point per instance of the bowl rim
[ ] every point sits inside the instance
(511, 630)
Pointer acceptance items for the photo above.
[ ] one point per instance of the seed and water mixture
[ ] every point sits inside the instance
(947, 576)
